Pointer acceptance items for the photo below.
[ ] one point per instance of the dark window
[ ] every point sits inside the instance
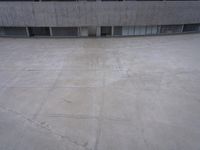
(167, 29)
(65, 31)
(106, 31)
(191, 27)
(39, 31)
(118, 31)
(13, 31)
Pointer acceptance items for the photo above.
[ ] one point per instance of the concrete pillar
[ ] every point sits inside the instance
(50, 31)
(112, 31)
(98, 31)
(182, 28)
(27, 32)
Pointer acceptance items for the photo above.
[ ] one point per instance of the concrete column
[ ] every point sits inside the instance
(50, 31)
(98, 31)
(27, 32)
(79, 32)
(182, 28)
(112, 31)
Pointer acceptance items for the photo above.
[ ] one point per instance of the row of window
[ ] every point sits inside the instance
(98, 31)
(155, 30)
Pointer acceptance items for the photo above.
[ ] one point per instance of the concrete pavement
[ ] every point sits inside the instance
(139, 93)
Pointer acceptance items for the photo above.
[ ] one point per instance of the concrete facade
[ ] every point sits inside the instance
(121, 13)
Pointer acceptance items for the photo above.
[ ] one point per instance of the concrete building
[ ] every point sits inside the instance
(71, 18)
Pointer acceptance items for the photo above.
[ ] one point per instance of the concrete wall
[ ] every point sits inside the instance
(98, 13)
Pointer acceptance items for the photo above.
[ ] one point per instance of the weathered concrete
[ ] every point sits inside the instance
(100, 94)
(99, 13)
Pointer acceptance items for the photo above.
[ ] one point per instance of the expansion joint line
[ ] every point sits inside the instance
(100, 118)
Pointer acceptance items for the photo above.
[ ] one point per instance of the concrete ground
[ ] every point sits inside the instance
(139, 93)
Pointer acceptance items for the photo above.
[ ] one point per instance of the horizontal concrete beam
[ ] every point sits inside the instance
(99, 13)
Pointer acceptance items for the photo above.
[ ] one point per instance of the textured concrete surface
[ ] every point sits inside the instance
(121, 13)
(139, 93)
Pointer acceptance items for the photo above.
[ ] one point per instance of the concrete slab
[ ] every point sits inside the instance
(26, 101)
(100, 94)
(32, 78)
(83, 102)
(7, 76)
(80, 78)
